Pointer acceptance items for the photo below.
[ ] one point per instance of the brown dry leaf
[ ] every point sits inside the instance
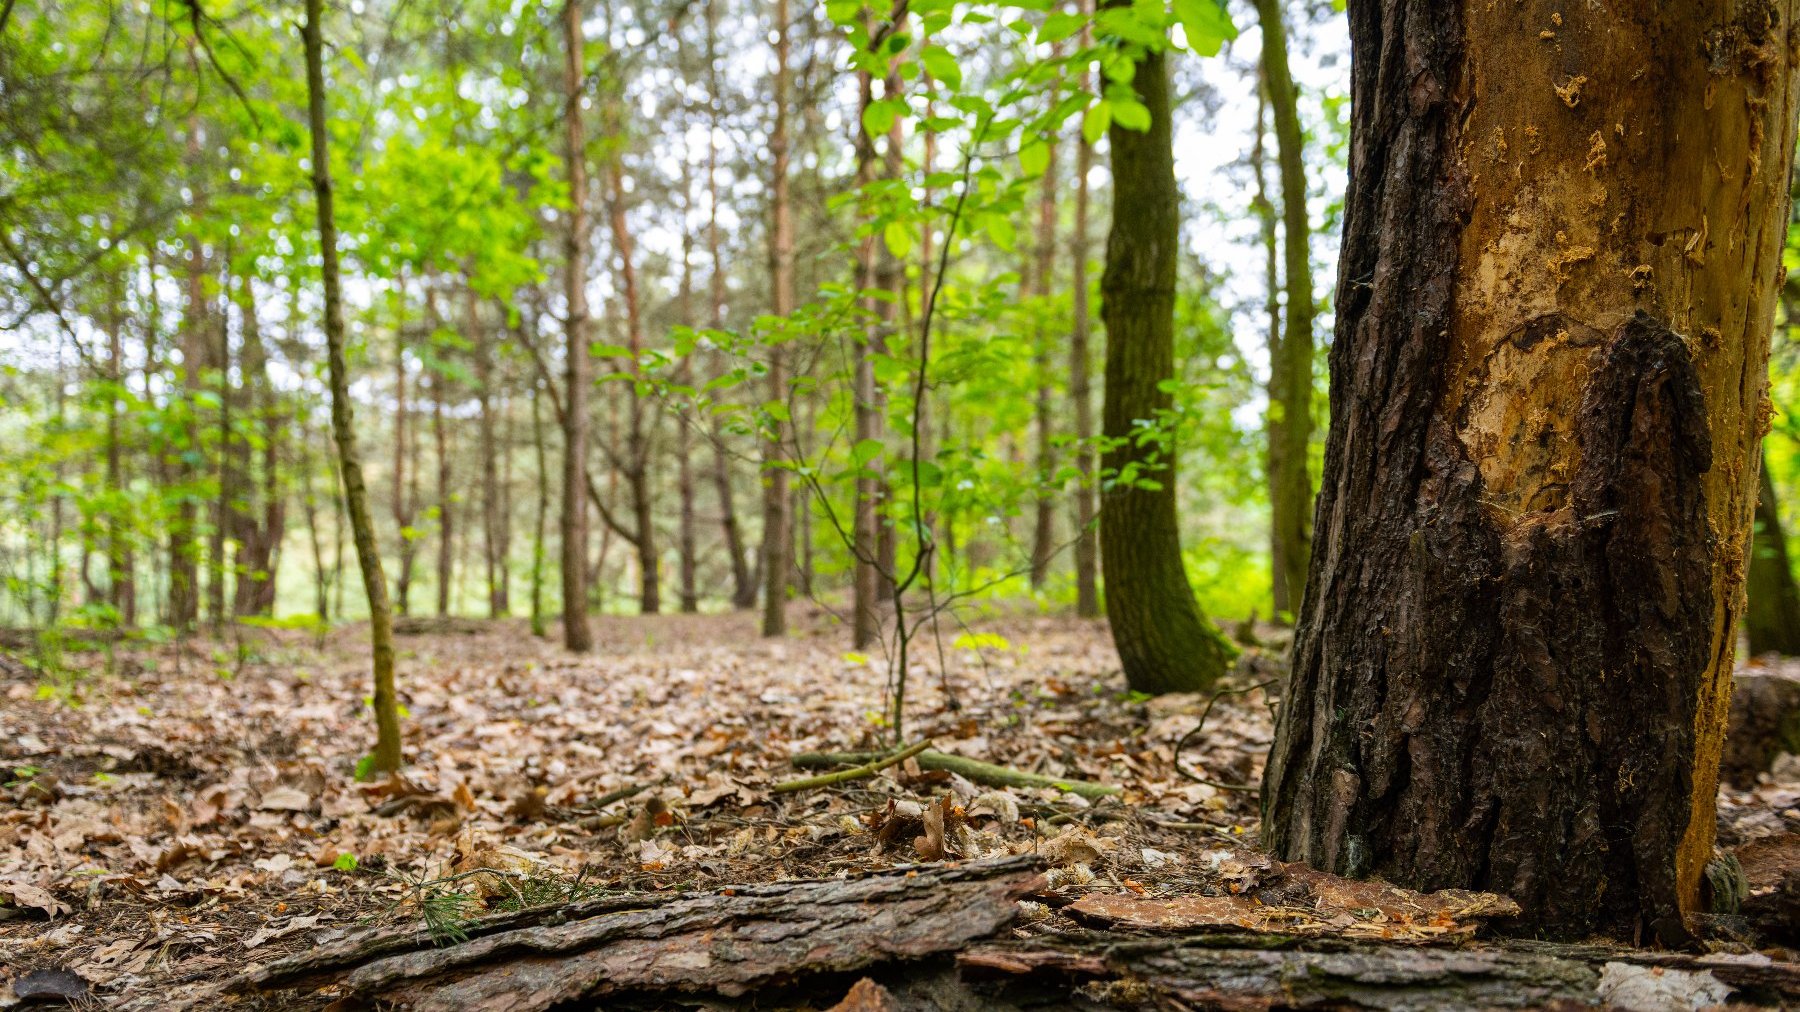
(866, 996)
(463, 796)
(33, 897)
(528, 805)
(643, 825)
(285, 799)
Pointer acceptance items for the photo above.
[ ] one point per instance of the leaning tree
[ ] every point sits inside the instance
(1561, 255)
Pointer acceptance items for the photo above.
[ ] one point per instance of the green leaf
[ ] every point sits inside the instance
(879, 117)
(941, 65)
(865, 450)
(1095, 121)
(345, 862)
(1000, 229)
(898, 238)
(1207, 25)
(1034, 158)
(365, 768)
(1131, 114)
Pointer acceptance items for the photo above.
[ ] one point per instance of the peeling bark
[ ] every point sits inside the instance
(1562, 249)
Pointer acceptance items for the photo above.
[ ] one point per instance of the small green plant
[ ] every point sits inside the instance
(345, 862)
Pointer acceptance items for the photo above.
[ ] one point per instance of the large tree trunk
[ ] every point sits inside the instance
(1164, 643)
(1290, 349)
(1087, 507)
(576, 634)
(386, 757)
(1558, 275)
(1772, 618)
(778, 534)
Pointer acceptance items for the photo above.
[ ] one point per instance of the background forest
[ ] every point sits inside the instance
(167, 434)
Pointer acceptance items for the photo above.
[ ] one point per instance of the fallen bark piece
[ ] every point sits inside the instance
(987, 774)
(867, 996)
(725, 943)
(1203, 974)
(1309, 904)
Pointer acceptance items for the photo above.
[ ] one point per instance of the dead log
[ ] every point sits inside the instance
(725, 943)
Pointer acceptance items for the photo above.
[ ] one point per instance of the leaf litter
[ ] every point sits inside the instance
(182, 820)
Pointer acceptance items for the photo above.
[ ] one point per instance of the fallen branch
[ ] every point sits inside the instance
(844, 776)
(987, 774)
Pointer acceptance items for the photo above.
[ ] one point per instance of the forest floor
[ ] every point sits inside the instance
(175, 814)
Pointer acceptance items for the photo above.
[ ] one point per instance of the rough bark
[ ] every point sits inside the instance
(1164, 643)
(778, 534)
(1772, 618)
(1559, 269)
(386, 756)
(728, 943)
(1291, 348)
(577, 636)
(1087, 507)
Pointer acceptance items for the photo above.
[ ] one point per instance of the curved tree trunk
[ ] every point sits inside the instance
(1164, 643)
(1772, 619)
(1559, 271)
(386, 757)
(1290, 349)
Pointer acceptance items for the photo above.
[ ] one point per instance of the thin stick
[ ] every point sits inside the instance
(857, 773)
(1195, 777)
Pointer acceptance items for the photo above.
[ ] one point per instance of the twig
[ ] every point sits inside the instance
(986, 774)
(1195, 777)
(844, 776)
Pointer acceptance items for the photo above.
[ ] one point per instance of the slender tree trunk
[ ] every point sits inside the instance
(1291, 358)
(890, 277)
(576, 634)
(743, 580)
(403, 502)
(1043, 535)
(184, 555)
(1265, 213)
(446, 557)
(1773, 616)
(121, 580)
(865, 622)
(639, 479)
(386, 757)
(1087, 507)
(539, 626)
(258, 538)
(492, 551)
(686, 536)
(778, 533)
(1559, 272)
(225, 480)
(1164, 643)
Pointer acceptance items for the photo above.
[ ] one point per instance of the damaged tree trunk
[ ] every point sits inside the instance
(1559, 270)
(729, 943)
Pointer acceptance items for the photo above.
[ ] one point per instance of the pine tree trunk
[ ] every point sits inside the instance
(1087, 507)
(577, 636)
(1772, 618)
(1164, 643)
(778, 527)
(1291, 349)
(1559, 272)
(386, 757)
